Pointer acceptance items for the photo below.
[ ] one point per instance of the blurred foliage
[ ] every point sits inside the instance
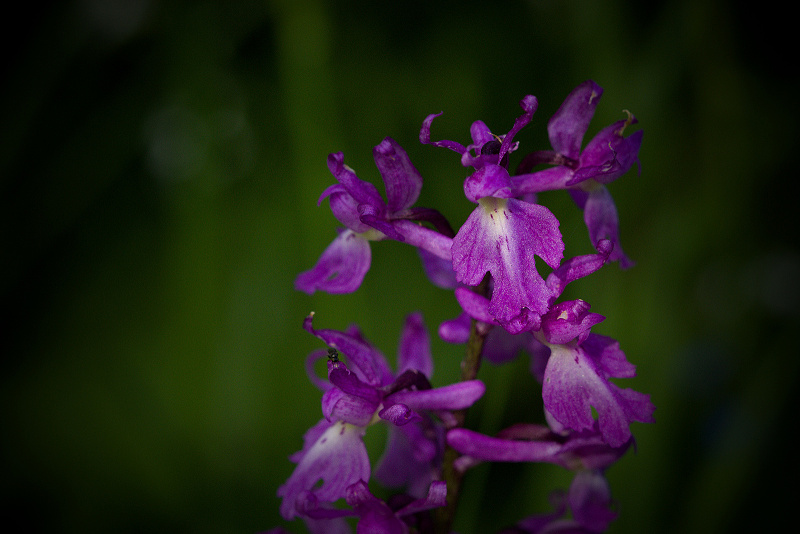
(160, 165)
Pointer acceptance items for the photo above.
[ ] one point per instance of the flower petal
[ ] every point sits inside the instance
(568, 125)
(425, 136)
(503, 236)
(338, 458)
(609, 155)
(414, 351)
(341, 267)
(453, 397)
(402, 180)
(567, 320)
(366, 361)
(488, 181)
(575, 381)
(529, 104)
(483, 447)
(340, 406)
(590, 501)
(409, 459)
(363, 192)
(600, 216)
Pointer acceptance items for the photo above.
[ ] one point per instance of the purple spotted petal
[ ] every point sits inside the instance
(402, 180)
(341, 267)
(576, 380)
(568, 125)
(503, 237)
(338, 458)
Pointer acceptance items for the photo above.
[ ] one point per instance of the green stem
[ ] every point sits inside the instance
(444, 516)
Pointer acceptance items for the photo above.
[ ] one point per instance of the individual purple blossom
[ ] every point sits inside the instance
(577, 375)
(584, 173)
(503, 235)
(367, 217)
(576, 380)
(360, 395)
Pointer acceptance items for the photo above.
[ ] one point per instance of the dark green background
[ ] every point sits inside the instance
(160, 167)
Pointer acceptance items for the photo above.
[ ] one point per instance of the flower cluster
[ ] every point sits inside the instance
(508, 306)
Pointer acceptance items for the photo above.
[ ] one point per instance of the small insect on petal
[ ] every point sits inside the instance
(333, 355)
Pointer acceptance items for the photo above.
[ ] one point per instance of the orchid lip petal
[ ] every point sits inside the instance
(338, 458)
(341, 267)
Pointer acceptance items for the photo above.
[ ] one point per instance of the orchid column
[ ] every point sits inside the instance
(489, 265)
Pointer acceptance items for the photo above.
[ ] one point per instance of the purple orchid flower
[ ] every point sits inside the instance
(361, 395)
(503, 235)
(576, 375)
(585, 173)
(367, 217)
(576, 380)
